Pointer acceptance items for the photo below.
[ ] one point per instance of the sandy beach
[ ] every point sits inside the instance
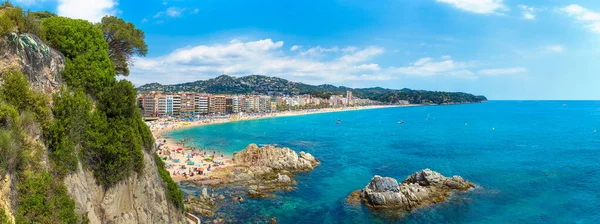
(188, 163)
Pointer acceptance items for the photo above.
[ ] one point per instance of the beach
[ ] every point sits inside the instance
(181, 160)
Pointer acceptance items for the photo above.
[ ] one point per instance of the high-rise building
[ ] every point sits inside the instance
(220, 102)
(162, 105)
(201, 104)
(187, 104)
(228, 105)
(176, 105)
(169, 106)
(150, 105)
(349, 100)
(235, 104)
(211, 104)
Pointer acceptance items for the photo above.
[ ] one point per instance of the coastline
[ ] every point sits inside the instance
(180, 163)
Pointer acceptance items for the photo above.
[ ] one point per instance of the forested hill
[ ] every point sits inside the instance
(258, 84)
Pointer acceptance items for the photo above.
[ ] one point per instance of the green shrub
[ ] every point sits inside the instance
(11, 19)
(16, 91)
(44, 200)
(4, 217)
(174, 194)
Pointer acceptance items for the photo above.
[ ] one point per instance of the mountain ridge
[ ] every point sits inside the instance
(259, 84)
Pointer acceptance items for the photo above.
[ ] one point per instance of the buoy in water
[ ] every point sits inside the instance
(493, 129)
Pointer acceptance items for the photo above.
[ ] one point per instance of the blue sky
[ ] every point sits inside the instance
(503, 49)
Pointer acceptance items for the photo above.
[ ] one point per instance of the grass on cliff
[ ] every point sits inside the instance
(4, 217)
(174, 194)
(41, 198)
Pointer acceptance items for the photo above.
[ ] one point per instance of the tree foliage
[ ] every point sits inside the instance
(124, 42)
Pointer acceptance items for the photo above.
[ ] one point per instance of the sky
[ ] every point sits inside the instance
(503, 49)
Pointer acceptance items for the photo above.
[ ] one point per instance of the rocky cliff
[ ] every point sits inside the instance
(138, 199)
(419, 189)
(31, 56)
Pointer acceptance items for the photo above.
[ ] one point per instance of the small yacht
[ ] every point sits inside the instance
(400, 122)
(338, 121)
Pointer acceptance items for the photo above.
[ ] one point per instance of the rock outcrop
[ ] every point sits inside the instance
(418, 190)
(275, 158)
(262, 170)
(28, 54)
(205, 205)
(138, 199)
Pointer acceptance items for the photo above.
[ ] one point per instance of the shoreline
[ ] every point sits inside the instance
(180, 161)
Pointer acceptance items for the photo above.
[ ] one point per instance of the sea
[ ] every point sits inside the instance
(532, 161)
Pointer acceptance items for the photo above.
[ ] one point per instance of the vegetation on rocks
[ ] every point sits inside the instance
(174, 194)
(112, 136)
(95, 119)
(41, 198)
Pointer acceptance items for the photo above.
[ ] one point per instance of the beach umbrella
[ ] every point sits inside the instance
(201, 168)
(179, 149)
(190, 163)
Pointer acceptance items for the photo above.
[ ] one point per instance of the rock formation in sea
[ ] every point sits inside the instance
(419, 189)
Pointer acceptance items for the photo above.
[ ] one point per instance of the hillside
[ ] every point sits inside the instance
(73, 146)
(258, 84)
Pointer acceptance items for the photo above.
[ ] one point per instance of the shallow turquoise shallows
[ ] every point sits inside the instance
(534, 161)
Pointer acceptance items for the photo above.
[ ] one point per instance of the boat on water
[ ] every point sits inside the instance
(338, 121)
(400, 122)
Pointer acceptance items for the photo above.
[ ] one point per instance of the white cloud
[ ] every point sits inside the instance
(478, 6)
(263, 57)
(318, 50)
(349, 49)
(502, 71)
(528, 12)
(91, 10)
(362, 55)
(144, 20)
(295, 47)
(195, 11)
(174, 11)
(429, 67)
(590, 18)
(555, 48)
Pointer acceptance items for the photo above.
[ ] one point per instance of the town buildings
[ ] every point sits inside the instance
(189, 104)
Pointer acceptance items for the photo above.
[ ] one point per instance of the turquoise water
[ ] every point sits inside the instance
(535, 161)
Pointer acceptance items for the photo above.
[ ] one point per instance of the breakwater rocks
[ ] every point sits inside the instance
(419, 189)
